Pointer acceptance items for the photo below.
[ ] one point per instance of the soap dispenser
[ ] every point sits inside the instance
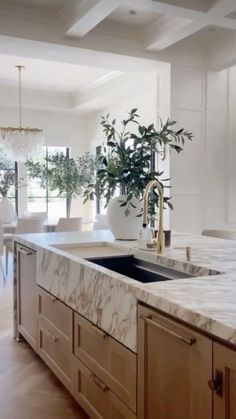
(145, 238)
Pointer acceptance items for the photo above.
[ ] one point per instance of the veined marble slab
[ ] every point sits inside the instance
(109, 299)
(91, 250)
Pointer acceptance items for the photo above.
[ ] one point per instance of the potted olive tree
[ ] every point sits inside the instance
(66, 175)
(126, 166)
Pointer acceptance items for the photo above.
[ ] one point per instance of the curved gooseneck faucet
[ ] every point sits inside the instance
(161, 237)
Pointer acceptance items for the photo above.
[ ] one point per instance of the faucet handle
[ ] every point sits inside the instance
(188, 253)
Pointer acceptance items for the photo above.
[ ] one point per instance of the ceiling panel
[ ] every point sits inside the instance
(46, 6)
(47, 75)
(232, 15)
(200, 5)
(125, 15)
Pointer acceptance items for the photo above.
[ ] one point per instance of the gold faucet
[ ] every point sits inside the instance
(160, 237)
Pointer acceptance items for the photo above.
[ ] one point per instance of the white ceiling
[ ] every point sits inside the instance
(158, 31)
(45, 6)
(49, 75)
(74, 45)
(123, 15)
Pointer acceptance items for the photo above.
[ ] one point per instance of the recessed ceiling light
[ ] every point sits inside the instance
(132, 12)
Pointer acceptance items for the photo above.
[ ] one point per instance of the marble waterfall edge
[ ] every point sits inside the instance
(96, 294)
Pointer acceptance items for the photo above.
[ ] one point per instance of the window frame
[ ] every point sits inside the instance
(16, 195)
(47, 194)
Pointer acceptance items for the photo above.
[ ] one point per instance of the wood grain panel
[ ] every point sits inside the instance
(108, 359)
(95, 397)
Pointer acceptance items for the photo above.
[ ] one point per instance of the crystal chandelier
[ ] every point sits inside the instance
(21, 143)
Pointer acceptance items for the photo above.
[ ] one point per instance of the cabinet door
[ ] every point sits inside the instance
(174, 367)
(26, 291)
(224, 382)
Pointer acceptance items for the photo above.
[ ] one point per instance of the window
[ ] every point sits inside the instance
(44, 200)
(9, 175)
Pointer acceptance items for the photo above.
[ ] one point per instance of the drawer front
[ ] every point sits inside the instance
(95, 397)
(114, 364)
(56, 312)
(56, 350)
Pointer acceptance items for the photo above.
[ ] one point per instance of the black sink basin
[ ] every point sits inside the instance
(138, 269)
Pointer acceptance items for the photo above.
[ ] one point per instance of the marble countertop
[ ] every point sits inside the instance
(109, 299)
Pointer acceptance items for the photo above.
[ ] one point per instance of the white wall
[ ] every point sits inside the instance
(188, 169)
(203, 176)
(142, 93)
(137, 91)
(60, 129)
(164, 108)
(221, 150)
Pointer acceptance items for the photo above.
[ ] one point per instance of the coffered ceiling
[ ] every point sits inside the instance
(82, 43)
(149, 30)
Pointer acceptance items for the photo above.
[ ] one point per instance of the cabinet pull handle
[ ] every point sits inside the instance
(54, 338)
(52, 298)
(149, 320)
(99, 383)
(99, 332)
(216, 384)
(25, 251)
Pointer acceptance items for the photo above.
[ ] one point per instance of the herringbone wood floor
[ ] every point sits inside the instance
(28, 390)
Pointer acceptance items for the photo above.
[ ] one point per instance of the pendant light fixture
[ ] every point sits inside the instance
(21, 143)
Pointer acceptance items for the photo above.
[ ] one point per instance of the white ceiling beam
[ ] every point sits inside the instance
(176, 33)
(89, 15)
(177, 30)
(224, 22)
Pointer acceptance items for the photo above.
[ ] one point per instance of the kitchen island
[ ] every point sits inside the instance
(200, 309)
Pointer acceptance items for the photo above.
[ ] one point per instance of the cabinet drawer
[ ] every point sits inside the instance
(56, 350)
(114, 364)
(56, 312)
(95, 397)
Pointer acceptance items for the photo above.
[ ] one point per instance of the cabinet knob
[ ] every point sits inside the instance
(212, 384)
(216, 384)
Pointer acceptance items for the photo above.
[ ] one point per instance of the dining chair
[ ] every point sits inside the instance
(1, 251)
(69, 224)
(100, 222)
(42, 215)
(221, 234)
(24, 226)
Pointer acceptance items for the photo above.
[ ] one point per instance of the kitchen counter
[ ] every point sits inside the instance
(109, 299)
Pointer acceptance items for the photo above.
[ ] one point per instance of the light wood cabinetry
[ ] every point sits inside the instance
(26, 294)
(224, 382)
(54, 311)
(114, 364)
(55, 331)
(174, 367)
(96, 398)
(181, 373)
(96, 369)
